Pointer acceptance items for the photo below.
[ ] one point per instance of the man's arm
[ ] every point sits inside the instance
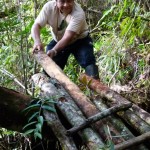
(66, 39)
(35, 32)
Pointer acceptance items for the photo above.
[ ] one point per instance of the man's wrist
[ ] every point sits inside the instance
(37, 42)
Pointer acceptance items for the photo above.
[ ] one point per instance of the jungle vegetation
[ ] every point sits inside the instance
(121, 35)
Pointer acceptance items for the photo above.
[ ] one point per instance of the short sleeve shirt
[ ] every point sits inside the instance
(59, 23)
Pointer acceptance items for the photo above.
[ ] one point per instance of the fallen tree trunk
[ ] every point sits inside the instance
(135, 141)
(99, 116)
(54, 123)
(11, 105)
(123, 130)
(81, 100)
(134, 121)
(113, 98)
(142, 113)
(67, 107)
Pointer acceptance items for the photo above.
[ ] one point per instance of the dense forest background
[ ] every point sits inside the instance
(121, 35)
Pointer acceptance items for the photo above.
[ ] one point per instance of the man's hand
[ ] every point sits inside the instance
(37, 47)
(51, 53)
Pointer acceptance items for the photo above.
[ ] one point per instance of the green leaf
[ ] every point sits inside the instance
(51, 109)
(28, 131)
(31, 107)
(122, 10)
(50, 101)
(37, 134)
(108, 12)
(40, 120)
(29, 124)
(39, 127)
(34, 115)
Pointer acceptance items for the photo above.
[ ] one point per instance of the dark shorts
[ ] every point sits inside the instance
(82, 50)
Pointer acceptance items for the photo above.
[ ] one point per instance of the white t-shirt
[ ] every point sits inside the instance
(75, 21)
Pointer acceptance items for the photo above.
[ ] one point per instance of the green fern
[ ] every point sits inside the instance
(36, 120)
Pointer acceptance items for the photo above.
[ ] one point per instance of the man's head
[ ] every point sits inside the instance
(65, 6)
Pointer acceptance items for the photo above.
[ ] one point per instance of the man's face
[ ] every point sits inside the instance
(65, 6)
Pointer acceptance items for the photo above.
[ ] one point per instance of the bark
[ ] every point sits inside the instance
(54, 123)
(113, 119)
(51, 88)
(142, 113)
(80, 99)
(133, 120)
(99, 116)
(135, 141)
(123, 130)
(113, 98)
(11, 105)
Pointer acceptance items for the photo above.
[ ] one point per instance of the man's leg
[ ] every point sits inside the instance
(83, 52)
(92, 70)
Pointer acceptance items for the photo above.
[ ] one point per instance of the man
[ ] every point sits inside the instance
(70, 34)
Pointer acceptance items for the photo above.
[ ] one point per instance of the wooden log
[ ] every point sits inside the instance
(123, 130)
(11, 105)
(80, 99)
(135, 141)
(54, 71)
(67, 107)
(54, 123)
(142, 113)
(133, 120)
(113, 98)
(99, 116)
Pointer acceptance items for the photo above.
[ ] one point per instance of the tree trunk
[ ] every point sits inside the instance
(135, 141)
(51, 88)
(119, 125)
(123, 130)
(99, 116)
(81, 100)
(54, 123)
(112, 98)
(142, 113)
(11, 105)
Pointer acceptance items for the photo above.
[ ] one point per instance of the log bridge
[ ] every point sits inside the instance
(108, 117)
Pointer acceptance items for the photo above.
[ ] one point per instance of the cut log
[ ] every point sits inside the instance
(135, 141)
(54, 71)
(99, 116)
(142, 113)
(51, 88)
(133, 120)
(81, 100)
(123, 130)
(112, 98)
(54, 123)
